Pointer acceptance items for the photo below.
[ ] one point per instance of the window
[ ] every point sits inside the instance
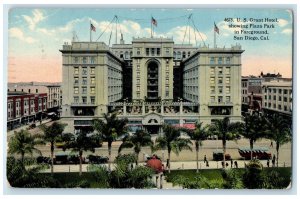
(167, 74)
(92, 90)
(212, 70)
(220, 89)
(84, 71)
(138, 51)
(92, 60)
(220, 80)
(227, 98)
(138, 81)
(138, 74)
(274, 97)
(220, 60)
(220, 99)
(212, 99)
(147, 51)
(31, 102)
(285, 108)
(227, 90)
(158, 51)
(138, 67)
(138, 94)
(227, 60)
(220, 70)
(227, 80)
(92, 100)
(279, 91)
(17, 104)
(76, 80)
(138, 88)
(76, 99)
(212, 80)
(84, 60)
(285, 99)
(84, 90)
(274, 105)
(167, 50)
(183, 55)
(227, 70)
(152, 51)
(212, 89)
(279, 98)
(274, 90)
(167, 81)
(285, 91)
(76, 70)
(212, 60)
(84, 101)
(84, 81)
(93, 70)
(279, 106)
(76, 60)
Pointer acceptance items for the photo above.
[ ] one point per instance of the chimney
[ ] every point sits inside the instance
(121, 40)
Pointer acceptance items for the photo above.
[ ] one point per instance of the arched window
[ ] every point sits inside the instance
(183, 55)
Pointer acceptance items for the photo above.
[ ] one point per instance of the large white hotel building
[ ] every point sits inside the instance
(150, 81)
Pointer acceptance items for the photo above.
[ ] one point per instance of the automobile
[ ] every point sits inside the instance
(218, 155)
(32, 126)
(260, 153)
(96, 159)
(66, 158)
(43, 159)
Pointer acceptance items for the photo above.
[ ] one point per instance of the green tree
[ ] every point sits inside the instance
(199, 134)
(22, 142)
(52, 134)
(27, 174)
(278, 130)
(253, 177)
(110, 129)
(137, 141)
(81, 141)
(172, 142)
(253, 129)
(226, 131)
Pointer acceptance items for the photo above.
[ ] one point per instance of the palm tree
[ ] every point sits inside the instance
(172, 142)
(22, 142)
(80, 142)
(52, 134)
(138, 140)
(253, 129)
(279, 130)
(226, 131)
(199, 134)
(110, 129)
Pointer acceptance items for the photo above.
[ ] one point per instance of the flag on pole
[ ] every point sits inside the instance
(93, 28)
(154, 22)
(216, 29)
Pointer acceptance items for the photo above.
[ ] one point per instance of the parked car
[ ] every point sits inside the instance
(43, 159)
(66, 158)
(32, 126)
(257, 152)
(218, 155)
(95, 159)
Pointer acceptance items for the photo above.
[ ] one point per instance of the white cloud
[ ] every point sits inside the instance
(32, 21)
(46, 31)
(70, 25)
(282, 22)
(287, 31)
(18, 33)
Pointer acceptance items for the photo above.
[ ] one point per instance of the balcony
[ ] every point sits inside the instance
(74, 104)
(220, 104)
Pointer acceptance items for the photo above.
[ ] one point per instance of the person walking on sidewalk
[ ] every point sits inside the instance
(205, 158)
(235, 164)
(231, 162)
(268, 163)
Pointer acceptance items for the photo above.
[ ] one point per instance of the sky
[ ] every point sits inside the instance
(35, 35)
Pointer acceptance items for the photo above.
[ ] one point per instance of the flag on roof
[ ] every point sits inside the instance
(153, 21)
(93, 27)
(216, 29)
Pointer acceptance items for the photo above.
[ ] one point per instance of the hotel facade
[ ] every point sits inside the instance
(150, 81)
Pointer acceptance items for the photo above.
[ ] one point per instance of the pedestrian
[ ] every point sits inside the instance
(273, 161)
(226, 164)
(222, 164)
(235, 164)
(207, 165)
(231, 162)
(268, 163)
(271, 145)
(205, 158)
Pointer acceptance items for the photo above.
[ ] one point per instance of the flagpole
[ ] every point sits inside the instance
(90, 31)
(215, 39)
(151, 28)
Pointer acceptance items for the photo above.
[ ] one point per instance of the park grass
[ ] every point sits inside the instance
(216, 174)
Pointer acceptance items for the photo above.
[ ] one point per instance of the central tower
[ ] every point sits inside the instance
(152, 69)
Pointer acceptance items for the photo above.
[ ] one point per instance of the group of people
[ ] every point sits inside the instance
(273, 161)
(226, 164)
